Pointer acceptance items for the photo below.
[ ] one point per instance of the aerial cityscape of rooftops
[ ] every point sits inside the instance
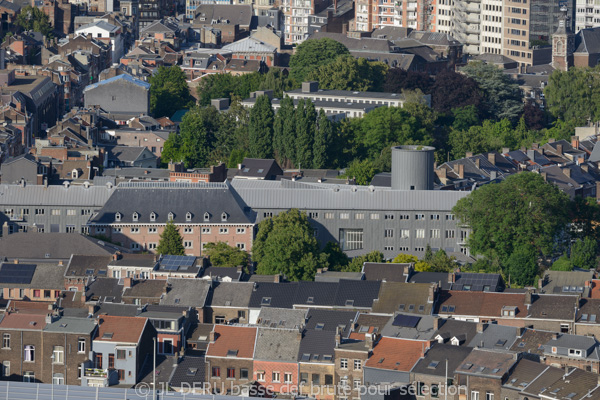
(300, 199)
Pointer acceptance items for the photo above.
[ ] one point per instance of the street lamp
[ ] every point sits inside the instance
(52, 358)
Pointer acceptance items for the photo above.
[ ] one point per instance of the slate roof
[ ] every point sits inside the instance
(55, 195)
(431, 277)
(556, 281)
(495, 337)
(186, 292)
(99, 24)
(231, 294)
(135, 260)
(315, 293)
(188, 372)
(146, 289)
(119, 80)
(434, 362)
(335, 276)
(330, 320)
(277, 294)
(449, 328)
(553, 307)
(103, 288)
(589, 311)
(487, 363)
(234, 14)
(360, 293)
(257, 168)
(577, 381)
(213, 272)
(229, 337)
(281, 318)
(178, 198)
(532, 341)
(390, 272)
(396, 354)
(586, 343)
(274, 344)
(477, 281)
(524, 373)
(541, 384)
(84, 265)
(404, 297)
(123, 329)
(587, 41)
(317, 344)
(368, 323)
(82, 326)
(422, 330)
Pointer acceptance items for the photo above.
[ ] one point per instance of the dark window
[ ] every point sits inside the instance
(216, 372)
(111, 361)
(243, 373)
(98, 361)
(329, 379)
(121, 374)
(316, 378)
(121, 354)
(303, 377)
(231, 372)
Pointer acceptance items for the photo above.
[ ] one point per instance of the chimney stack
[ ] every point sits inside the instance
(451, 277)
(559, 149)
(442, 175)
(436, 323)
(528, 297)
(567, 172)
(598, 191)
(277, 278)
(575, 142)
(127, 283)
(212, 336)
(461, 171)
(477, 162)
(492, 158)
(480, 327)
(544, 175)
(469, 154)
(92, 309)
(369, 340)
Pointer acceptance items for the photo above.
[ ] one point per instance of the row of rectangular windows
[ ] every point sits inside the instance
(222, 231)
(360, 216)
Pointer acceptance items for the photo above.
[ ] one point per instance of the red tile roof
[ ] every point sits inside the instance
(23, 321)
(30, 307)
(120, 329)
(237, 338)
(397, 354)
(488, 304)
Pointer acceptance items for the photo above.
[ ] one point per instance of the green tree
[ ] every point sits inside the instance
(405, 258)
(574, 95)
(336, 258)
(171, 242)
(521, 210)
(583, 253)
(197, 136)
(356, 264)
(169, 91)
(562, 264)
(305, 122)
(465, 117)
(236, 158)
(34, 19)
(323, 134)
(441, 262)
(284, 133)
(363, 171)
(454, 90)
(223, 255)
(313, 53)
(285, 244)
(522, 265)
(260, 129)
(428, 257)
(502, 94)
(349, 73)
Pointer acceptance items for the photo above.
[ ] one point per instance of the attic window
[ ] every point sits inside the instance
(327, 357)
(411, 307)
(305, 357)
(153, 216)
(433, 364)
(171, 216)
(260, 170)
(315, 357)
(117, 216)
(310, 300)
(381, 360)
(320, 326)
(467, 366)
(444, 308)
(349, 303)
(224, 217)
(246, 169)
(63, 325)
(135, 216)
(401, 307)
(89, 271)
(363, 329)
(495, 370)
(266, 301)
(206, 217)
(501, 342)
(522, 344)
(192, 371)
(107, 335)
(232, 353)
(451, 308)
(188, 216)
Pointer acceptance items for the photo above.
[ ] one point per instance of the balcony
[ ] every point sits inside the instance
(473, 19)
(96, 377)
(472, 39)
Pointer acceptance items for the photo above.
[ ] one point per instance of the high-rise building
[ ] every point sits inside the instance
(415, 14)
(297, 15)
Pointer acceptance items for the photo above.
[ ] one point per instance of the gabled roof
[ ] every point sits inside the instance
(524, 373)
(188, 372)
(186, 292)
(281, 318)
(464, 331)
(84, 265)
(589, 311)
(232, 341)
(257, 168)
(431, 277)
(368, 323)
(557, 282)
(487, 363)
(179, 198)
(495, 337)
(396, 354)
(128, 154)
(223, 14)
(120, 329)
(487, 304)
(270, 294)
(553, 307)
(532, 341)
(105, 289)
(119, 80)
(331, 320)
(434, 362)
(588, 41)
(275, 344)
(390, 272)
(231, 294)
(99, 24)
(404, 297)
(145, 289)
(586, 343)
(410, 326)
(18, 321)
(250, 45)
(576, 384)
(317, 345)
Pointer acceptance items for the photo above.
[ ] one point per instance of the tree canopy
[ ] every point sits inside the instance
(223, 255)
(286, 244)
(312, 54)
(171, 242)
(260, 128)
(574, 95)
(349, 73)
(523, 210)
(169, 91)
(34, 19)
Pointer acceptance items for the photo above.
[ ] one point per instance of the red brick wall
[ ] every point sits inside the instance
(269, 367)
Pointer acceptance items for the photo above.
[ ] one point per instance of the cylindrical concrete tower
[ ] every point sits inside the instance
(412, 167)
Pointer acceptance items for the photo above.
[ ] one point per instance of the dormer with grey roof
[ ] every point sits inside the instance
(572, 346)
(281, 318)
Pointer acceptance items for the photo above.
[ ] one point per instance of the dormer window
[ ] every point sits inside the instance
(206, 217)
(224, 217)
(509, 311)
(136, 216)
(153, 216)
(188, 216)
(118, 216)
(575, 353)
(171, 215)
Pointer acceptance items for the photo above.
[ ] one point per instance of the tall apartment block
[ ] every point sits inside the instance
(296, 16)
(415, 14)
(587, 14)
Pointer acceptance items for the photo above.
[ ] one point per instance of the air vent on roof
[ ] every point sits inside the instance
(32, 323)
(192, 371)
(381, 360)
(310, 300)
(63, 325)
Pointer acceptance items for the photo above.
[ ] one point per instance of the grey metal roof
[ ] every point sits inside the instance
(274, 344)
(52, 246)
(497, 337)
(250, 45)
(99, 24)
(186, 292)
(54, 195)
(178, 198)
(280, 195)
(71, 325)
(574, 342)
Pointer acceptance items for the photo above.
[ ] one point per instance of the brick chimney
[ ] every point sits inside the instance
(559, 149)
(567, 172)
(16, 261)
(575, 141)
(480, 327)
(212, 336)
(535, 146)
(460, 170)
(432, 291)
(469, 154)
(116, 256)
(492, 158)
(127, 283)
(584, 168)
(442, 175)
(436, 323)
(92, 309)
(277, 278)
(369, 340)
(451, 277)
(338, 336)
(528, 298)
(477, 162)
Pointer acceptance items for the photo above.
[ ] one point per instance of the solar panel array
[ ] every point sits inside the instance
(172, 263)
(476, 281)
(407, 321)
(17, 273)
